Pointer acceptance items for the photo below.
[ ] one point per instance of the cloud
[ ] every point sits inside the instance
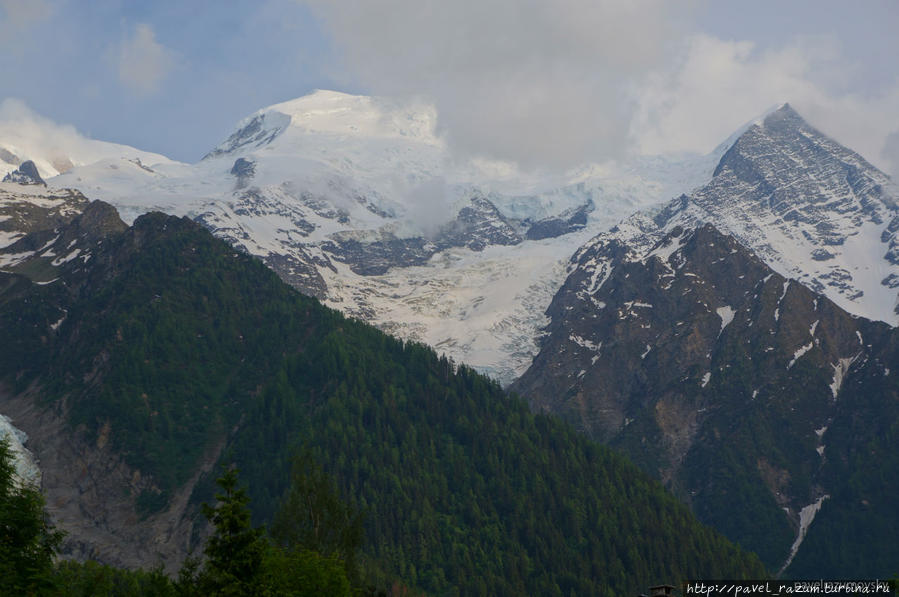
(30, 136)
(21, 13)
(717, 85)
(17, 17)
(143, 63)
(563, 83)
(536, 82)
(891, 154)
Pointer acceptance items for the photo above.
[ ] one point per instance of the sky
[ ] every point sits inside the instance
(546, 84)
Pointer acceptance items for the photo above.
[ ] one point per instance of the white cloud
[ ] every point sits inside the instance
(891, 154)
(718, 85)
(143, 63)
(29, 136)
(537, 82)
(560, 83)
(17, 19)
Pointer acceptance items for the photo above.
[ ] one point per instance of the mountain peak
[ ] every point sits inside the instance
(786, 115)
(776, 128)
(332, 114)
(26, 173)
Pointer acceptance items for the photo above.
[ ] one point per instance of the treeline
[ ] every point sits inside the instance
(176, 343)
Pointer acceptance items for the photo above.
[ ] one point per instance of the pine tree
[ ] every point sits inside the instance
(27, 539)
(313, 517)
(235, 551)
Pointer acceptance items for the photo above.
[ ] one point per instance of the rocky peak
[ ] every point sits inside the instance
(570, 220)
(478, 225)
(711, 371)
(25, 174)
(810, 208)
(243, 169)
(256, 131)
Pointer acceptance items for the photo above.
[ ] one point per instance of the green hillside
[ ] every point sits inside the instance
(171, 343)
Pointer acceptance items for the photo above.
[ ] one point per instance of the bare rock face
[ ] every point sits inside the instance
(565, 223)
(244, 170)
(722, 341)
(477, 226)
(720, 377)
(92, 493)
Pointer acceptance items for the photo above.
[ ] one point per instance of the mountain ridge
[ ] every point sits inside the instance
(350, 209)
(166, 349)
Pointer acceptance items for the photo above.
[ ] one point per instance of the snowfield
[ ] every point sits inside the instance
(335, 166)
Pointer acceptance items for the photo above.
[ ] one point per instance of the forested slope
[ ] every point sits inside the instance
(165, 343)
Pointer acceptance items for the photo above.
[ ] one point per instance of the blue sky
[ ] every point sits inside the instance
(215, 63)
(594, 77)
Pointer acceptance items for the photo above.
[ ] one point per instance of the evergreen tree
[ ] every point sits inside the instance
(27, 539)
(313, 517)
(235, 551)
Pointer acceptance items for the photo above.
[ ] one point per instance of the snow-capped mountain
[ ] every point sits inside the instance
(691, 337)
(357, 200)
(745, 392)
(810, 208)
(26, 208)
(55, 149)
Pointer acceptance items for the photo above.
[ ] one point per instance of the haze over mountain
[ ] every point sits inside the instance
(54, 148)
(356, 200)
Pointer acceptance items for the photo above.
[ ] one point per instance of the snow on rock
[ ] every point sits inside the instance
(782, 295)
(705, 379)
(839, 372)
(72, 255)
(55, 326)
(799, 352)
(666, 248)
(585, 343)
(331, 166)
(726, 314)
(812, 210)
(806, 516)
(11, 259)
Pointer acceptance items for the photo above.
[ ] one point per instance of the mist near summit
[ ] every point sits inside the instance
(555, 85)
